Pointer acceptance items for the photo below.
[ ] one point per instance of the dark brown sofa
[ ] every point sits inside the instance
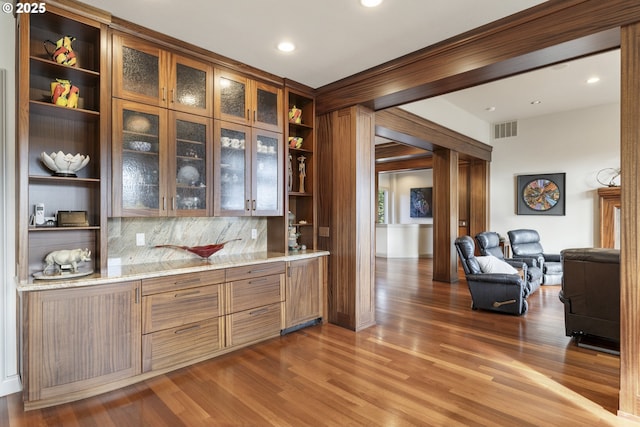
(591, 292)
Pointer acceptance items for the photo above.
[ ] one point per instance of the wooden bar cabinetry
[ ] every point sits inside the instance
(181, 319)
(146, 73)
(255, 296)
(78, 339)
(300, 139)
(305, 291)
(45, 127)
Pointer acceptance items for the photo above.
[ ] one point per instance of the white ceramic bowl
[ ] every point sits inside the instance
(64, 164)
(188, 175)
(140, 145)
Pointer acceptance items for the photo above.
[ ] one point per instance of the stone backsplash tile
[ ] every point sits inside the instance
(183, 232)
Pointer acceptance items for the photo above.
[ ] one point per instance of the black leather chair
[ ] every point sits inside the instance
(500, 292)
(591, 292)
(525, 245)
(489, 244)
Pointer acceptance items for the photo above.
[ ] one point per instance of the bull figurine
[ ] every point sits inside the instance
(67, 257)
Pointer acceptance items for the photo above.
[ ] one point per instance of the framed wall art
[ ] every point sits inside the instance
(421, 203)
(541, 194)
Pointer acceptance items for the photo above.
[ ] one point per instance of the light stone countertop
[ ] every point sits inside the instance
(120, 273)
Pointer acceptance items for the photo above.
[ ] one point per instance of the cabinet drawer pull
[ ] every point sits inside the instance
(181, 331)
(187, 281)
(260, 280)
(185, 294)
(259, 311)
(164, 93)
(248, 205)
(173, 96)
(253, 204)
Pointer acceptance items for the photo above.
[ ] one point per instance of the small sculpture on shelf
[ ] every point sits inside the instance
(63, 52)
(295, 115)
(64, 94)
(302, 168)
(293, 233)
(64, 164)
(290, 174)
(67, 259)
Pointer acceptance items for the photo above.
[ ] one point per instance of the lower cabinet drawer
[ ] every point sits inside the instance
(255, 292)
(173, 309)
(253, 325)
(172, 347)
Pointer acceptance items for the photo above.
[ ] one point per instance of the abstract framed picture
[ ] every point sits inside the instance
(541, 194)
(421, 202)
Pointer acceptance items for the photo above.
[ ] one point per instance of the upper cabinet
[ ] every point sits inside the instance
(146, 73)
(248, 171)
(248, 102)
(62, 97)
(301, 175)
(161, 161)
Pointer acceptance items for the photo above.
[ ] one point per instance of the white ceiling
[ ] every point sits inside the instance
(338, 38)
(559, 88)
(334, 38)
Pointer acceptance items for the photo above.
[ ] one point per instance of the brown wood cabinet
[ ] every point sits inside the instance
(45, 127)
(300, 138)
(255, 295)
(248, 175)
(241, 100)
(181, 319)
(162, 161)
(305, 291)
(79, 338)
(146, 73)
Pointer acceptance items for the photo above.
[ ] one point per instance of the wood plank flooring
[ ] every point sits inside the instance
(429, 361)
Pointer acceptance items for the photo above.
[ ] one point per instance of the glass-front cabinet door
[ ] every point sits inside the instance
(245, 101)
(232, 176)
(139, 71)
(232, 97)
(190, 86)
(267, 179)
(267, 104)
(139, 138)
(190, 165)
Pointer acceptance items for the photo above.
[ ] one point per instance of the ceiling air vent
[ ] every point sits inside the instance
(505, 130)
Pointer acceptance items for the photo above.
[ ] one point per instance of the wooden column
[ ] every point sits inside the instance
(630, 220)
(346, 161)
(478, 197)
(445, 215)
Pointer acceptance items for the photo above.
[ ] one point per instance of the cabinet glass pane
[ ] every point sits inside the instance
(140, 160)
(140, 72)
(191, 86)
(267, 173)
(191, 176)
(267, 108)
(232, 169)
(232, 98)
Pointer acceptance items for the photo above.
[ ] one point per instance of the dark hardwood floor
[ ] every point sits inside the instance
(430, 361)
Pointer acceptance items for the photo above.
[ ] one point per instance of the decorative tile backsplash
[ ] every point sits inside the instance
(184, 232)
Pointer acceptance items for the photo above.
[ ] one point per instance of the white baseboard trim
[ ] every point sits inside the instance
(10, 385)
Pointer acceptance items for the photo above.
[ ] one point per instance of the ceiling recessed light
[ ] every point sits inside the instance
(490, 109)
(370, 3)
(592, 80)
(536, 102)
(286, 47)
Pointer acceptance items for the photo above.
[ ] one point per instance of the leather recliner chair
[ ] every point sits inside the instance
(501, 292)
(525, 245)
(591, 292)
(489, 244)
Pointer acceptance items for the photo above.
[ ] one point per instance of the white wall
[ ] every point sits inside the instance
(579, 143)
(9, 382)
(443, 112)
(399, 185)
